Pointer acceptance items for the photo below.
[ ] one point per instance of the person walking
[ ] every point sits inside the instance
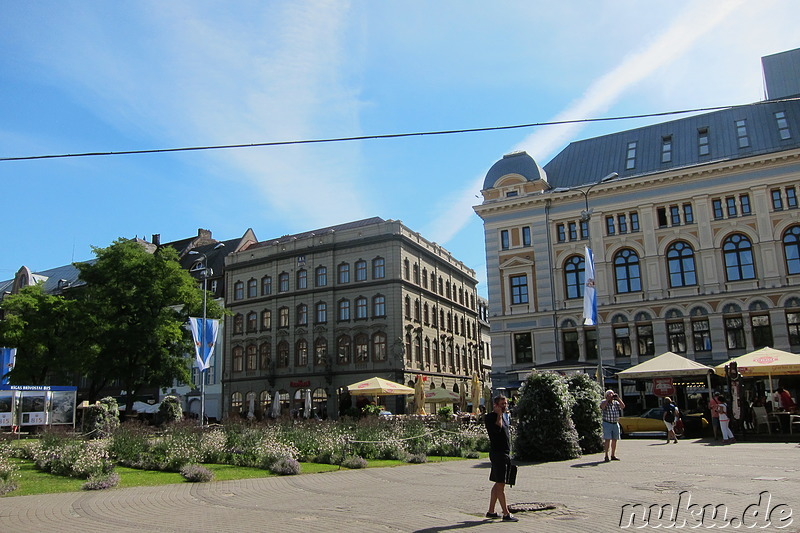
(724, 420)
(670, 416)
(497, 427)
(611, 408)
(713, 403)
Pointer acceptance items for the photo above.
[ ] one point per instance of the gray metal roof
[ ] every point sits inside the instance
(587, 161)
(514, 163)
(321, 231)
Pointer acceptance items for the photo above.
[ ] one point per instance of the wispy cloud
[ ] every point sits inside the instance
(676, 40)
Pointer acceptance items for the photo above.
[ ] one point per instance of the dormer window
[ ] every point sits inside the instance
(630, 159)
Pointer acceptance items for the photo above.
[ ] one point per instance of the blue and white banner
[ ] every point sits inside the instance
(205, 338)
(589, 293)
(8, 359)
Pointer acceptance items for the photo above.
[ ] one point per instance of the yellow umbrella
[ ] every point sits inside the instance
(378, 387)
(764, 362)
(439, 395)
(476, 392)
(419, 396)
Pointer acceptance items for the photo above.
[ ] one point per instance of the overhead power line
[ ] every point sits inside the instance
(385, 136)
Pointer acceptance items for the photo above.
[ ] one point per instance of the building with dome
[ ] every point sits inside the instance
(695, 231)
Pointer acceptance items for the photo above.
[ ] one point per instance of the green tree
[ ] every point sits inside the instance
(140, 303)
(544, 430)
(50, 335)
(586, 412)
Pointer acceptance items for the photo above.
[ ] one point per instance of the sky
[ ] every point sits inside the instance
(81, 77)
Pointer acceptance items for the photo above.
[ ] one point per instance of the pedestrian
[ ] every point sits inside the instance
(670, 416)
(785, 400)
(713, 403)
(611, 408)
(724, 420)
(500, 456)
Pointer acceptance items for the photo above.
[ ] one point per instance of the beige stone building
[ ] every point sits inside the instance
(317, 311)
(695, 231)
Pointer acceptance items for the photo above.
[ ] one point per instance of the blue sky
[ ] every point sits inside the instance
(107, 76)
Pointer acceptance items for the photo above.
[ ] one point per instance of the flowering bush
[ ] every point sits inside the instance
(102, 482)
(81, 459)
(354, 462)
(8, 469)
(197, 473)
(285, 466)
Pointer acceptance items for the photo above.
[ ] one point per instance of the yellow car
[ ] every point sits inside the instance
(652, 421)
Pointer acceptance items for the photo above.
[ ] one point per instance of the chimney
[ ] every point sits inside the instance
(156, 239)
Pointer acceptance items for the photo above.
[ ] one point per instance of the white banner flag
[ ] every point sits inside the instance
(589, 293)
(205, 338)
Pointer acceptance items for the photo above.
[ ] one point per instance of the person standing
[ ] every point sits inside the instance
(713, 404)
(611, 408)
(724, 419)
(500, 456)
(670, 416)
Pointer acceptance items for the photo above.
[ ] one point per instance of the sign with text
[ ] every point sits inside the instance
(663, 387)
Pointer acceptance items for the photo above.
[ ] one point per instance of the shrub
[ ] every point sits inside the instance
(354, 461)
(101, 482)
(101, 419)
(418, 458)
(169, 411)
(586, 412)
(445, 413)
(545, 430)
(81, 459)
(8, 470)
(285, 466)
(371, 409)
(197, 473)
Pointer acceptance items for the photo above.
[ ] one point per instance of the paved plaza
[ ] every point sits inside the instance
(582, 495)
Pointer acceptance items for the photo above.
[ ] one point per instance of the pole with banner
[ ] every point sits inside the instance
(590, 309)
(204, 332)
(9, 356)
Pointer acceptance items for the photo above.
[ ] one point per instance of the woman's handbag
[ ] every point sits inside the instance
(511, 474)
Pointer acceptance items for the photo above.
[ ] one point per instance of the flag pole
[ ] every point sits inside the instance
(590, 310)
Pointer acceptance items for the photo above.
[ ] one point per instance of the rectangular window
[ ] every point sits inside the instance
(777, 199)
(322, 313)
(730, 203)
(716, 204)
(744, 204)
(661, 216)
(302, 279)
(734, 333)
(793, 325)
(611, 229)
(741, 133)
(361, 271)
(675, 215)
(519, 289)
(646, 344)
(378, 268)
(361, 308)
(688, 214)
(584, 229)
(523, 348)
(344, 273)
(783, 125)
(630, 157)
(283, 282)
(676, 337)
(504, 243)
(791, 198)
(762, 331)
(622, 341)
(666, 149)
(322, 276)
(702, 141)
(573, 231)
(344, 310)
(590, 342)
(283, 317)
(622, 223)
(561, 234)
(379, 306)
(701, 331)
(571, 348)
(252, 288)
(634, 222)
(526, 236)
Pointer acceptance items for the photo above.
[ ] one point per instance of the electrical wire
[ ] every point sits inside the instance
(389, 135)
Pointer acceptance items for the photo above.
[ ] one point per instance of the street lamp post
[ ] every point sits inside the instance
(586, 216)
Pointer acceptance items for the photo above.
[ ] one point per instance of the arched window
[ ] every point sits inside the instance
(321, 276)
(266, 286)
(238, 290)
(738, 255)
(343, 350)
(320, 351)
(344, 310)
(301, 353)
(238, 323)
(302, 315)
(361, 270)
(251, 357)
(791, 249)
(626, 271)
(266, 319)
(265, 355)
(574, 270)
(236, 402)
(252, 321)
(362, 348)
(361, 308)
(302, 279)
(680, 265)
(252, 288)
(378, 268)
(379, 346)
(283, 354)
(238, 358)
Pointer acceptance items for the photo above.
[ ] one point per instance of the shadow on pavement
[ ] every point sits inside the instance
(590, 463)
(460, 525)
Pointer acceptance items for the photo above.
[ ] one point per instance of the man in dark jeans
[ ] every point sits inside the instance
(499, 455)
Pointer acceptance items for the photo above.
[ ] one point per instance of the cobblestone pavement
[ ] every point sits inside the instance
(584, 494)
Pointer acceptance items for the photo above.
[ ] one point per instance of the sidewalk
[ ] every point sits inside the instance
(587, 495)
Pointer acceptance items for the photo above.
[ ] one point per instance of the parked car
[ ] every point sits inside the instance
(652, 421)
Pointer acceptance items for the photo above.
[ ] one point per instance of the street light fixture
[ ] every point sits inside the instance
(207, 272)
